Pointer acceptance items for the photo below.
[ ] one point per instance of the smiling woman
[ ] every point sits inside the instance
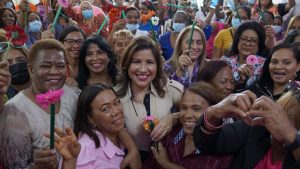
(144, 90)
(24, 122)
(7, 17)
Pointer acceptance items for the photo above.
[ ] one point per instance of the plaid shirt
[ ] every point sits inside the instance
(174, 144)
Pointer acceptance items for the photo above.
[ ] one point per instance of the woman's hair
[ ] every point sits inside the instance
(269, 5)
(66, 31)
(45, 44)
(292, 36)
(149, 5)
(2, 10)
(182, 14)
(269, 13)
(132, 9)
(247, 10)
(210, 70)
(139, 44)
(83, 71)
(82, 125)
(291, 23)
(290, 102)
(177, 50)
(206, 91)
(123, 34)
(265, 78)
(256, 27)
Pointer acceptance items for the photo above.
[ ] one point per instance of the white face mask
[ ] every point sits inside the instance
(178, 27)
(235, 22)
(132, 27)
(277, 28)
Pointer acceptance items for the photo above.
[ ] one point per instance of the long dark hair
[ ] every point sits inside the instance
(138, 44)
(260, 33)
(83, 71)
(84, 109)
(210, 70)
(265, 78)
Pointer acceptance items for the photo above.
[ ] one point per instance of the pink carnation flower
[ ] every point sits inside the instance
(64, 3)
(149, 118)
(51, 97)
(252, 60)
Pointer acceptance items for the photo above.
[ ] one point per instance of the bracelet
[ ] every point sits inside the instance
(208, 125)
(206, 132)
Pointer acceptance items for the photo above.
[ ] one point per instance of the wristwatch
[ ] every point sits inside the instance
(296, 144)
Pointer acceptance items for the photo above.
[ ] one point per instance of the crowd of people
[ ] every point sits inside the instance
(152, 84)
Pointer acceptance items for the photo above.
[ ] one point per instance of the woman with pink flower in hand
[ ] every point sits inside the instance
(246, 55)
(281, 66)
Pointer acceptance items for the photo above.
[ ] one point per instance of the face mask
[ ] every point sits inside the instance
(35, 26)
(277, 28)
(87, 14)
(132, 27)
(251, 2)
(178, 27)
(9, 4)
(235, 22)
(19, 73)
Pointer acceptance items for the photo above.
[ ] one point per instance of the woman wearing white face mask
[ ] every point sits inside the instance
(89, 18)
(167, 41)
(34, 28)
(133, 22)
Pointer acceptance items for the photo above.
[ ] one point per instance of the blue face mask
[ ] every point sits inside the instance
(251, 2)
(35, 26)
(9, 4)
(178, 27)
(235, 22)
(87, 14)
(132, 27)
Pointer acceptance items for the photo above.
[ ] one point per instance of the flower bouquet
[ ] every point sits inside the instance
(149, 124)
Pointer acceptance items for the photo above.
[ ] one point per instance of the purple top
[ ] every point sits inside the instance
(186, 79)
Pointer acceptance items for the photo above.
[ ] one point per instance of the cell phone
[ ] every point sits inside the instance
(213, 4)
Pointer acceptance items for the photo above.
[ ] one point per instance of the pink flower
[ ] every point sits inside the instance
(51, 97)
(252, 60)
(64, 3)
(149, 118)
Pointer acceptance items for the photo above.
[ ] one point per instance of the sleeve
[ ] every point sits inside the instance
(86, 158)
(218, 40)
(228, 140)
(281, 9)
(15, 138)
(176, 91)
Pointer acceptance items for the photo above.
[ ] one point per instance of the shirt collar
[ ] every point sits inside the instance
(181, 135)
(153, 91)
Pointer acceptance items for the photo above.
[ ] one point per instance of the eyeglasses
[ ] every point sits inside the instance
(251, 41)
(73, 41)
(86, 8)
(4, 46)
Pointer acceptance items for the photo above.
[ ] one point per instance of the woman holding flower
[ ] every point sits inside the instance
(249, 40)
(281, 66)
(144, 91)
(185, 63)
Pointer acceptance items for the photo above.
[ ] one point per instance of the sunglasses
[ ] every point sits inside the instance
(4, 46)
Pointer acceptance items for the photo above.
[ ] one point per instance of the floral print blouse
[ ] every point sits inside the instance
(257, 67)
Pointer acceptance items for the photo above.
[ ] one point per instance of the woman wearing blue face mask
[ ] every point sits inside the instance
(89, 18)
(167, 41)
(133, 22)
(34, 28)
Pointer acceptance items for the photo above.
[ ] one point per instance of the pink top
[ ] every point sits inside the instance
(266, 162)
(107, 156)
(210, 42)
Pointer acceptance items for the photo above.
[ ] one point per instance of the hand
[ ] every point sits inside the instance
(132, 159)
(274, 118)
(48, 34)
(270, 32)
(45, 158)
(245, 71)
(163, 127)
(184, 60)
(72, 22)
(235, 105)
(66, 144)
(5, 77)
(120, 24)
(161, 155)
(24, 6)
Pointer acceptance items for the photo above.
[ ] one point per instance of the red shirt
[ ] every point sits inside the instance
(174, 143)
(98, 19)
